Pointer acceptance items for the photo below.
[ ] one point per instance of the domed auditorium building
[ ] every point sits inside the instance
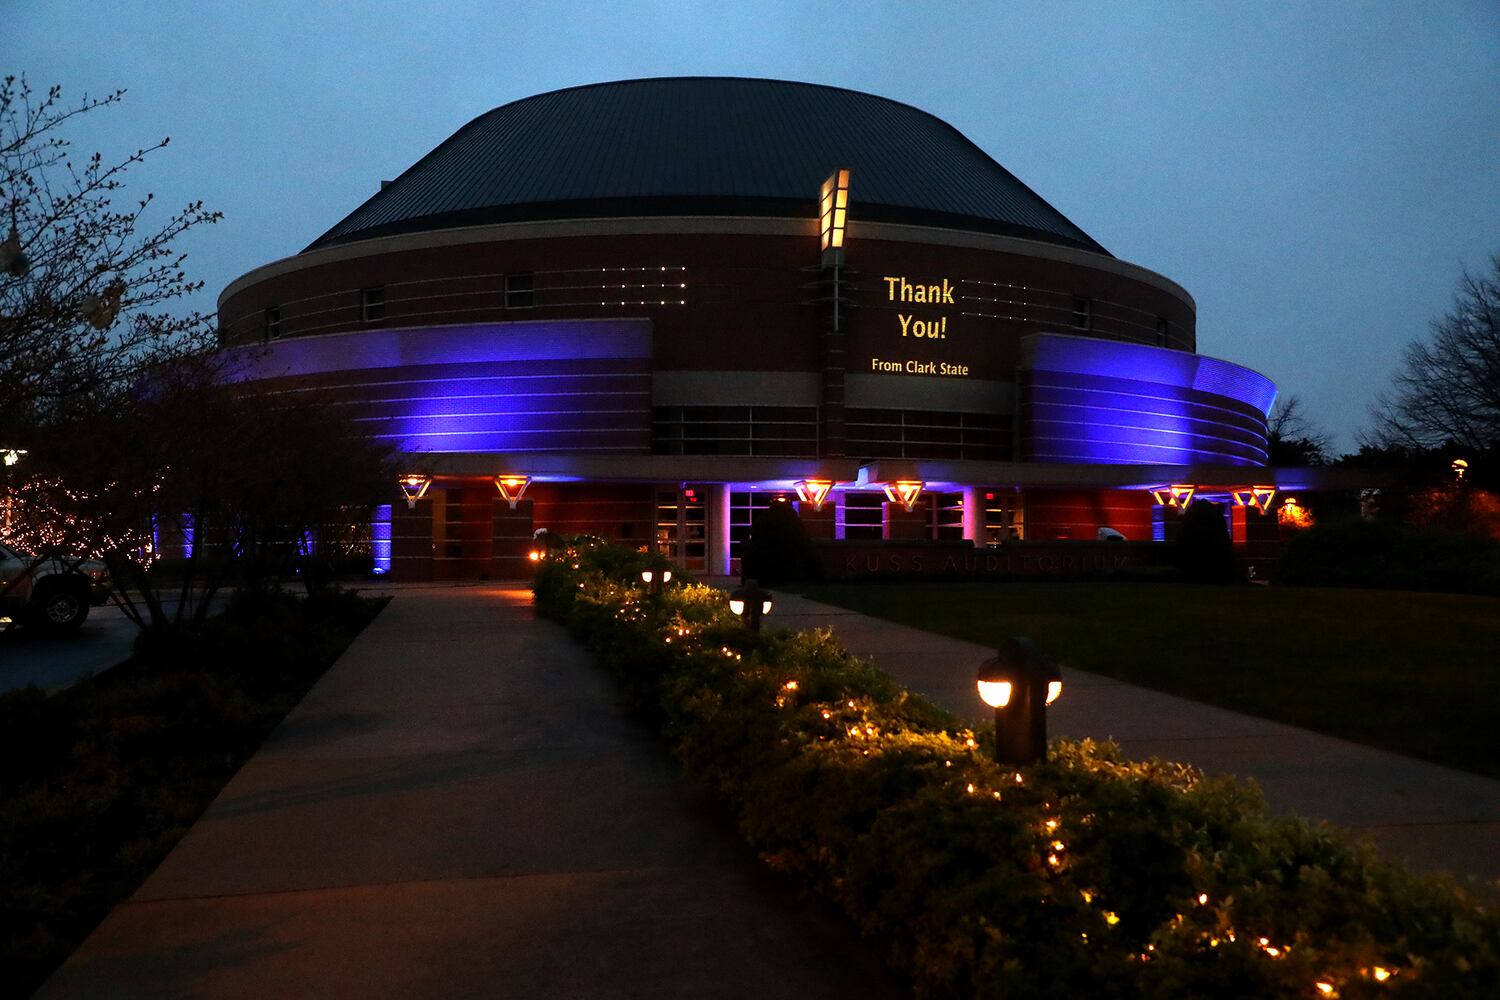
(652, 307)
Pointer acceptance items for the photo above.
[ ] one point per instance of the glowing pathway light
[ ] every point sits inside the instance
(1259, 497)
(512, 488)
(751, 603)
(656, 579)
(814, 491)
(905, 492)
(414, 486)
(1019, 682)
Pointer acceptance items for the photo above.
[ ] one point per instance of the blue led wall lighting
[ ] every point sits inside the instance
(1101, 401)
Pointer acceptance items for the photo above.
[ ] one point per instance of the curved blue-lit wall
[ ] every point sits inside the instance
(487, 388)
(1088, 400)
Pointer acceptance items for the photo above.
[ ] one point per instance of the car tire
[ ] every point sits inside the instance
(59, 609)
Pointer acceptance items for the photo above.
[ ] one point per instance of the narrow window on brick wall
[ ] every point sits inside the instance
(273, 322)
(1083, 313)
(518, 291)
(372, 304)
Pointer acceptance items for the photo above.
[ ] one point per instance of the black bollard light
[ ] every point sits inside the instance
(1019, 682)
(751, 603)
(656, 580)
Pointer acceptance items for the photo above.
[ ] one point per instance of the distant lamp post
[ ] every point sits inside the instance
(1019, 682)
(1460, 468)
(656, 580)
(13, 260)
(751, 603)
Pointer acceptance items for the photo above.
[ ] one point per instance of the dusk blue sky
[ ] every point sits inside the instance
(1315, 174)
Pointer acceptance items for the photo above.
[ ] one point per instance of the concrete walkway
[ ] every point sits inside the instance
(1432, 817)
(458, 809)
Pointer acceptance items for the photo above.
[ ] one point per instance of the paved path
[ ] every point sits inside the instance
(1432, 817)
(458, 809)
(53, 662)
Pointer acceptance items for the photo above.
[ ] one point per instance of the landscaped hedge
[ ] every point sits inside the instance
(1088, 876)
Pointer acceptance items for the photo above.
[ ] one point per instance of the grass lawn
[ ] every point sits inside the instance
(1416, 673)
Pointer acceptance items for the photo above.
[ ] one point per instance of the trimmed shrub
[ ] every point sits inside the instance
(1205, 552)
(1086, 876)
(779, 549)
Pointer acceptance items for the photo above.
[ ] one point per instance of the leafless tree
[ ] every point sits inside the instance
(1447, 390)
(86, 287)
(1292, 439)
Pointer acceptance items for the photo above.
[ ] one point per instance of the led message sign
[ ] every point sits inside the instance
(918, 328)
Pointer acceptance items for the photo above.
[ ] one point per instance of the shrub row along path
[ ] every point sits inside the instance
(1432, 817)
(460, 809)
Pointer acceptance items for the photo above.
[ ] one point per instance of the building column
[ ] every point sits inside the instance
(716, 528)
(974, 515)
(511, 541)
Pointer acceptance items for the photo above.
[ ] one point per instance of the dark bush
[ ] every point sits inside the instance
(779, 549)
(1205, 553)
(1354, 553)
(98, 782)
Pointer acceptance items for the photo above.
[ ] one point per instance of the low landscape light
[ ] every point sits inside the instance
(1019, 682)
(657, 580)
(751, 603)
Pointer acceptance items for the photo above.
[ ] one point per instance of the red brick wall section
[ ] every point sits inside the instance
(621, 513)
(463, 527)
(1078, 515)
(749, 290)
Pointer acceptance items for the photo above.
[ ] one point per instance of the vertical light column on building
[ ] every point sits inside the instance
(833, 208)
(716, 502)
(974, 515)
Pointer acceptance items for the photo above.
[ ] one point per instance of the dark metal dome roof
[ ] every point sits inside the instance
(705, 146)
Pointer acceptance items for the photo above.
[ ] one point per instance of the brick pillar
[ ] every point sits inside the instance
(916, 525)
(510, 549)
(411, 540)
(821, 524)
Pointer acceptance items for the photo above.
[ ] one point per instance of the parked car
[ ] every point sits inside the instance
(52, 593)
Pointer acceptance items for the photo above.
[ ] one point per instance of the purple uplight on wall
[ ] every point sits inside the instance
(380, 539)
(1100, 401)
(483, 388)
